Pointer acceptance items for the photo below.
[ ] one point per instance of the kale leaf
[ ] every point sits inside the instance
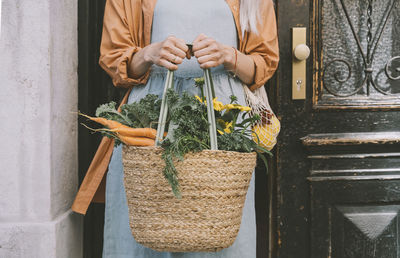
(143, 113)
(188, 133)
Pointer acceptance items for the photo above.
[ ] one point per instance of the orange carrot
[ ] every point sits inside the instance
(108, 123)
(138, 132)
(121, 129)
(136, 141)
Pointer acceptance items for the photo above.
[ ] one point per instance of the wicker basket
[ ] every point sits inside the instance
(213, 186)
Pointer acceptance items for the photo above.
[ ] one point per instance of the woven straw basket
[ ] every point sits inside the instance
(213, 185)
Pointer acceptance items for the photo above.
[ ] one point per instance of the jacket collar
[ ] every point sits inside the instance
(148, 11)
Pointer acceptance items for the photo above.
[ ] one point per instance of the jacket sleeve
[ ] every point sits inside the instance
(118, 44)
(263, 47)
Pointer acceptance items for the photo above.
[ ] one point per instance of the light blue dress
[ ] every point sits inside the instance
(184, 19)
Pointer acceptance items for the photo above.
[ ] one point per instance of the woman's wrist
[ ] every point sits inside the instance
(230, 61)
(140, 62)
(148, 53)
(239, 64)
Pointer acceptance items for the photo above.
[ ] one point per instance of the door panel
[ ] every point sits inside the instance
(354, 194)
(338, 154)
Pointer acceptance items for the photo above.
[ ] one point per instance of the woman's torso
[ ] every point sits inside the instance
(186, 19)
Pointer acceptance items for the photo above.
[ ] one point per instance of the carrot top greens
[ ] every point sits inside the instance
(141, 114)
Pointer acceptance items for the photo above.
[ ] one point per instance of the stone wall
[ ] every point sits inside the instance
(38, 129)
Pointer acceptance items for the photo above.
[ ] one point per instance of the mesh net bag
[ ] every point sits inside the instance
(267, 128)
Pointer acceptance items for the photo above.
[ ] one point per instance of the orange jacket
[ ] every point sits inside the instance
(127, 29)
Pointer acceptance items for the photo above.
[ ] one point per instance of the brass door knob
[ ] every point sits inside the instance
(301, 52)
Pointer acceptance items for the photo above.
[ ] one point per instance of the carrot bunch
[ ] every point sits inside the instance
(127, 135)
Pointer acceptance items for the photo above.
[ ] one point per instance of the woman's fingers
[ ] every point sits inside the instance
(204, 43)
(180, 43)
(167, 64)
(209, 64)
(171, 52)
(211, 49)
(211, 60)
(208, 51)
(199, 38)
(212, 57)
(176, 52)
(174, 46)
(171, 57)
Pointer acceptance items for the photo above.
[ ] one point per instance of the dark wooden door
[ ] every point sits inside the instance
(95, 88)
(338, 157)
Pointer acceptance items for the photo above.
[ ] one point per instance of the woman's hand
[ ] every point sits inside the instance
(168, 53)
(210, 53)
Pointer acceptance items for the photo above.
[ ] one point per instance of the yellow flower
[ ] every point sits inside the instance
(198, 98)
(218, 106)
(228, 127)
(228, 106)
(236, 106)
(244, 108)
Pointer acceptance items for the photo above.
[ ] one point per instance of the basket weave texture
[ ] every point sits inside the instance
(207, 218)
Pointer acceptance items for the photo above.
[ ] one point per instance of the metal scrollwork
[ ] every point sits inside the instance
(367, 57)
(338, 75)
(397, 69)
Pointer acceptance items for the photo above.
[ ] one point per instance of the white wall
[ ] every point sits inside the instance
(38, 131)
(1, 1)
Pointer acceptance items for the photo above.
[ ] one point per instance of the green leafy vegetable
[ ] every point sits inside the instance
(141, 114)
(188, 133)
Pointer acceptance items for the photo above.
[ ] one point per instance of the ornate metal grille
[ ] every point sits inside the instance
(357, 46)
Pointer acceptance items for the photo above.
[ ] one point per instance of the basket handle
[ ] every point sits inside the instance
(209, 94)
(169, 83)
